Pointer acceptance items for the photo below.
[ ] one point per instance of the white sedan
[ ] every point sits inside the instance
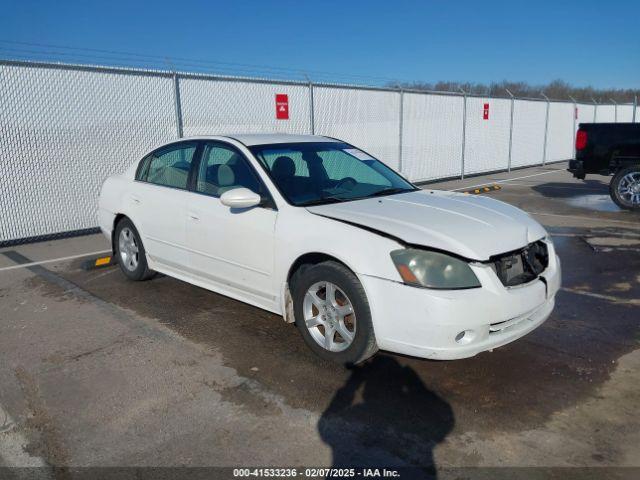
(320, 232)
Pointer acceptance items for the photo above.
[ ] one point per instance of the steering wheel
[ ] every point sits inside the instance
(342, 183)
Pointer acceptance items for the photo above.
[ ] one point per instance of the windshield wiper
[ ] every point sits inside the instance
(390, 191)
(334, 199)
(323, 201)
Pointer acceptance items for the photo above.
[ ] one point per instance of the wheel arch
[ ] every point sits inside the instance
(116, 220)
(313, 258)
(305, 259)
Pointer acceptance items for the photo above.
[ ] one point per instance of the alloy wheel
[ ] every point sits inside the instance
(128, 248)
(329, 316)
(629, 188)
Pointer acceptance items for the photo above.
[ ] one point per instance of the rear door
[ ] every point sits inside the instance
(159, 202)
(231, 249)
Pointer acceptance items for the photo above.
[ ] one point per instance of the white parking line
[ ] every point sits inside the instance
(583, 188)
(609, 298)
(54, 260)
(505, 180)
(582, 217)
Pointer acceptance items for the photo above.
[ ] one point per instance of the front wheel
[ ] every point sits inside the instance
(332, 313)
(625, 188)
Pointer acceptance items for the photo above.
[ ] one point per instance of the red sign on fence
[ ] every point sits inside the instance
(485, 112)
(282, 106)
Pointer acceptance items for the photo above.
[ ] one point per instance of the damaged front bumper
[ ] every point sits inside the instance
(452, 324)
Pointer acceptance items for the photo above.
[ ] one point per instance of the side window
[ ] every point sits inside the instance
(170, 167)
(143, 167)
(222, 169)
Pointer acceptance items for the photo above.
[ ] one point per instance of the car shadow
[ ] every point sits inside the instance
(569, 190)
(385, 416)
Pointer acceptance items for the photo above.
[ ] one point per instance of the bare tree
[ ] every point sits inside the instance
(557, 89)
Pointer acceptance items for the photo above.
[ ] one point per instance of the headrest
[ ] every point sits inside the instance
(283, 167)
(212, 173)
(226, 176)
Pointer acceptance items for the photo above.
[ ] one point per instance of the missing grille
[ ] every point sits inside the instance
(521, 266)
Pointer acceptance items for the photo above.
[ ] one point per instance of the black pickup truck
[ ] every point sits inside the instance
(611, 149)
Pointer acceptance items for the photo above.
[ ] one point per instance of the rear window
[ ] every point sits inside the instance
(168, 167)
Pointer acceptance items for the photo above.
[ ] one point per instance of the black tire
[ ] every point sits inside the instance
(363, 344)
(141, 271)
(615, 183)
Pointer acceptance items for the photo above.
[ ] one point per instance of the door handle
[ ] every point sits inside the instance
(193, 216)
(135, 199)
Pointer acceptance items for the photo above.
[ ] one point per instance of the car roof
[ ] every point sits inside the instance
(269, 138)
(250, 139)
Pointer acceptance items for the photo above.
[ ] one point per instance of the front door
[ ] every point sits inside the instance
(232, 249)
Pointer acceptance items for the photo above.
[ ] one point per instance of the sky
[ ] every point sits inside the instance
(584, 42)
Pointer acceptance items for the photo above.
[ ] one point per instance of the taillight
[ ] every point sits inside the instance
(581, 140)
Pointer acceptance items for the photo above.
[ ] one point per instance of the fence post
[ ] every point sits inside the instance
(546, 130)
(510, 128)
(635, 107)
(615, 111)
(312, 123)
(575, 115)
(464, 130)
(177, 104)
(595, 110)
(400, 130)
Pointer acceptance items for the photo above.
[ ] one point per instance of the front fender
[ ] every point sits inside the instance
(300, 232)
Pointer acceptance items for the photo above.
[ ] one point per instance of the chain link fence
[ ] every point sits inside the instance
(65, 128)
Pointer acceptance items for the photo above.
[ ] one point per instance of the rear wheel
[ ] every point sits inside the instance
(332, 313)
(625, 188)
(130, 252)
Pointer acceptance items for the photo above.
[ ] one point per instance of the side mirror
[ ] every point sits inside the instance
(240, 198)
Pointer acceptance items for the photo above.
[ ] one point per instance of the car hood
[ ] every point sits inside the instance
(474, 227)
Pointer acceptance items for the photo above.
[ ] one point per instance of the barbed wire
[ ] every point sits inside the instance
(34, 51)
(212, 66)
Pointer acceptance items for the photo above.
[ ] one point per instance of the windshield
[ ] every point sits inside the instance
(327, 172)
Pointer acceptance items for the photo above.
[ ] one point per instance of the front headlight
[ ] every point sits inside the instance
(430, 269)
